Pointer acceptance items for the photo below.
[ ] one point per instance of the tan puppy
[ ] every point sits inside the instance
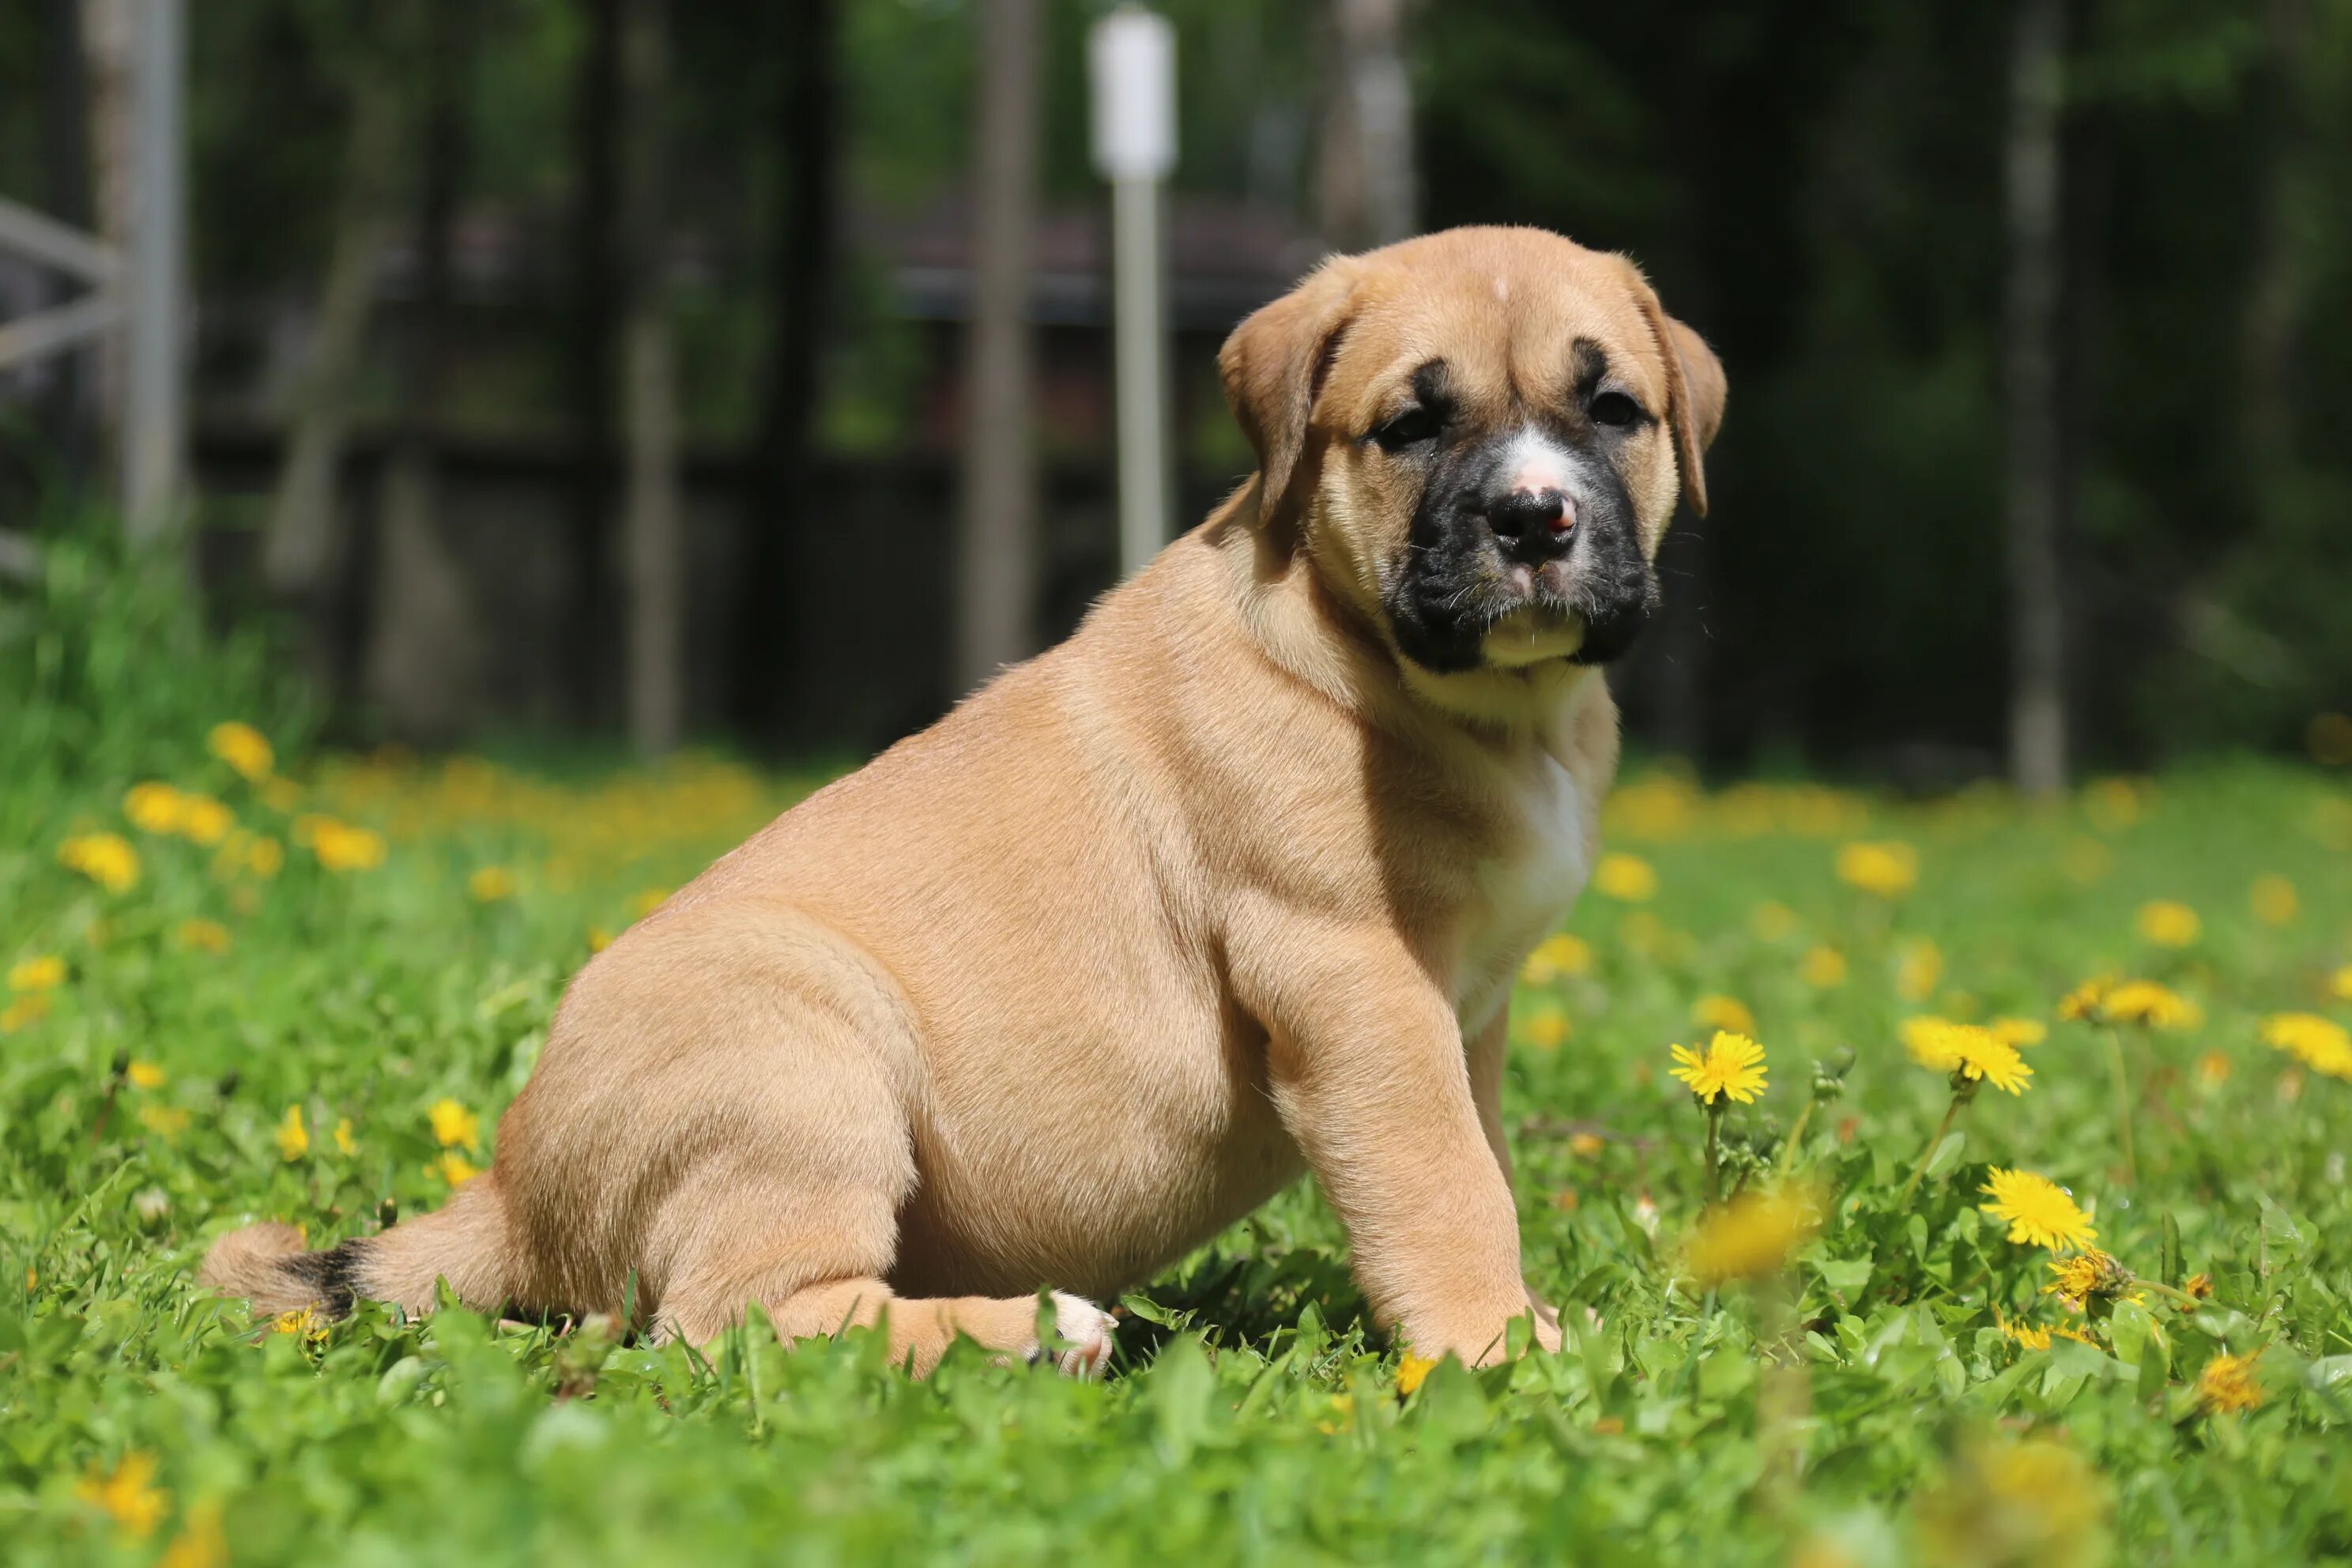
(1233, 881)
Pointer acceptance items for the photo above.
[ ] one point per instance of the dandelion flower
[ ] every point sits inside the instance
(1751, 1235)
(1557, 955)
(1772, 921)
(127, 1494)
(1731, 1065)
(293, 1138)
(2320, 1044)
(490, 885)
(1918, 970)
(2146, 1002)
(1975, 1053)
(146, 1075)
(453, 1168)
(2038, 1212)
(339, 847)
(2020, 1032)
(2214, 1068)
(2168, 923)
(29, 1008)
(1412, 1371)
(1547, 1028)
(2227, 1384)
(166, 1121)
(204, 820)
(343, 1144)
(1723, 1013)
(2085, 1274)
(1628, 878)
(2272, 901)
(154, 808)
(204, 936)
(453, 1124)
(2032, 1338)
(1885, 870)
(2341, 983)
(1822, 968)
(2082, 1004)
(243, 748)
(106, 859)
(299, 1320)
(647, 901)
(201, 1543)
(45, 971)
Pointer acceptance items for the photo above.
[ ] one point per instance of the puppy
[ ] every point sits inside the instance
(1231, 884)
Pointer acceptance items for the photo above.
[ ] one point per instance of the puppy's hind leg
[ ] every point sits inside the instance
(921, 1328)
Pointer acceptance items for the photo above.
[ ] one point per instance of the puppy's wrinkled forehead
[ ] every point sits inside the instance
(1503, 325)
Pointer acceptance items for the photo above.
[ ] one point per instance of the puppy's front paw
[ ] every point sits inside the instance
(1084, 1334)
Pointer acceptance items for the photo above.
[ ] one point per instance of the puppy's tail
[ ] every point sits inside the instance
(470, 1243)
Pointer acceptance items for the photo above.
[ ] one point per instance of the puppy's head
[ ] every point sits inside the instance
(1478, 439)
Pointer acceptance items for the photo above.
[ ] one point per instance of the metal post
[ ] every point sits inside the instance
(1133, 59)
(154, 421)
(1138, 331)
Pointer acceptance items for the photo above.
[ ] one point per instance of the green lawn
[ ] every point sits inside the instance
(227, 1041)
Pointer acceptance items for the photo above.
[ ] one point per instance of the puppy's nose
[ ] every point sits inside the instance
(1532, 524)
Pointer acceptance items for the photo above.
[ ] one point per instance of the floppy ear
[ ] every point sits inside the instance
(1274, 365)
(1695, 392)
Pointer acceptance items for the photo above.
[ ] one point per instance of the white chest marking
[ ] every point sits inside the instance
(1521, 896)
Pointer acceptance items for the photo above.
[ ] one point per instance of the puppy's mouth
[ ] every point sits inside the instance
(1481, 610)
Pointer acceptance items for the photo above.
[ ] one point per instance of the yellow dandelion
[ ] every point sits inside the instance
(146, 1075)
(2320, 1044)
(1586, 1145)
(647, 901)
(2214, 1068)
(166, 1121)
(2168, 923)
(1772, 922)
(343, 1144)
(599, 938)
(2146, 1002)
(264, 858)
(204, 820)
(201, 1543)
(2026, 1334)
(453, 1125)
(106, 859)
(1628, 878)
(299, 1320)
(293, 1138)
(29, 1008)
(2038, 1212)
(127, 1494)
(1887, 870)
(1917, 971)
(453, 1168)
(1822, 968)
(2227, 1384)
(154, 808)
(204, 936)
(2082, 1001)
(491, 884)
(2273, 899)
(2020, 1032)
(1547, 1028)
(1928, 1041)
(1725, 1013)
(1731, 1065)
(1557, 955)
(243, 748)
(339, 847)
(45, 971)
(2340, 983)
(1751, 1235)
(1976, 1053)
(2082, 1275)
(1412, 1371)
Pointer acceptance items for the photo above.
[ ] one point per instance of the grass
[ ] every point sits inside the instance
(1864, 1406)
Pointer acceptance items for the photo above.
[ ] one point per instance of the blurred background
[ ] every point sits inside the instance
(744, 371)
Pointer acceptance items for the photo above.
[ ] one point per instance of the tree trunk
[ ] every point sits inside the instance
(652, 525)
(776, 498)
(1367, 195)
(106, 40)
(305, 534)
(596, 311)
(2037, 713)
(2272, 321)
(65, 136)
(997, 575)
(422, 635)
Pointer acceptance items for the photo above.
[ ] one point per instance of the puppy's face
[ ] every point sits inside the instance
(1479, 438)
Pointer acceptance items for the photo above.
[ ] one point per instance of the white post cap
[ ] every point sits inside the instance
(1131, 56)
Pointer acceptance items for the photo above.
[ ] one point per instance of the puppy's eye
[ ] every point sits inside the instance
(1614, 408)
(1409, 428)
